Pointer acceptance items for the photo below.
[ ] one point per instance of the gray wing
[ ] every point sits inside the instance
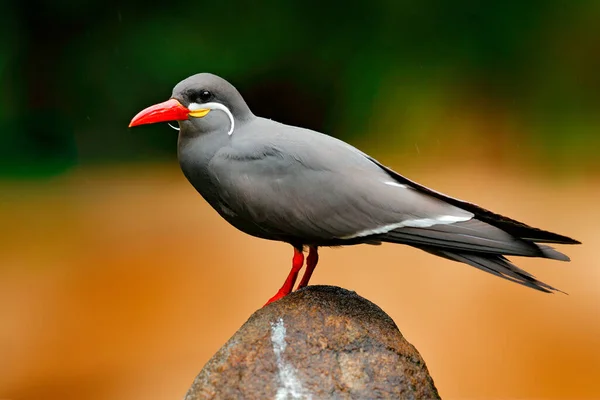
(296, 183)
(303, 187)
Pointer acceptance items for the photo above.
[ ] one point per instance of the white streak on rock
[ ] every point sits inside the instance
(291, 387)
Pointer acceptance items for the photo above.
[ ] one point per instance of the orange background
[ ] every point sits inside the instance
(120, 284)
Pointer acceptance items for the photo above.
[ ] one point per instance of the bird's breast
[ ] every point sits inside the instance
(194, 163)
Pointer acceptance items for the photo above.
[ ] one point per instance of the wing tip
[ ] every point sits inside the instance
(552, 254)
(550, 237)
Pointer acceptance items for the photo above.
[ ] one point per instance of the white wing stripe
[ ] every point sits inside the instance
(412, 223)
(400, 185)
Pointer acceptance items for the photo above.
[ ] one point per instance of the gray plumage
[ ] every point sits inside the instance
(299, 186)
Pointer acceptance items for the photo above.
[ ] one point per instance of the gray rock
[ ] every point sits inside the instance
(321, 342)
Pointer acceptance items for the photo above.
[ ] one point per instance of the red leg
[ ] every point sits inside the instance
(288, 285)
(311, 263)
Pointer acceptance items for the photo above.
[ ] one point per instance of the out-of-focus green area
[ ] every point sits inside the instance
(74, 73)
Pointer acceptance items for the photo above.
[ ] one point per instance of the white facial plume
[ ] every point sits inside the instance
(214, 106)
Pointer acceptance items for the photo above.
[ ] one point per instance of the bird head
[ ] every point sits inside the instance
(200, 103)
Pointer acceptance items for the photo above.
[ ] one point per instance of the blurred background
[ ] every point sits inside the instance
(117, 281)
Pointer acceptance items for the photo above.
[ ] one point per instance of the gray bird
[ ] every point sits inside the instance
(302, 187)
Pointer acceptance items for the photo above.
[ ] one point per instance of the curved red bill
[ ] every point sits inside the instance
(170, 110)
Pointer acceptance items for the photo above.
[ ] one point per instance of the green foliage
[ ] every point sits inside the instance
(74, 73)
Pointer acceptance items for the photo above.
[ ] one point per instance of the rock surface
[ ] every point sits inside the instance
(320, 342)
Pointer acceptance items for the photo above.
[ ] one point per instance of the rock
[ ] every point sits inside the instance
(320, 342)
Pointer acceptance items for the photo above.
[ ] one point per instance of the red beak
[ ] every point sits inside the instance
(170, 110)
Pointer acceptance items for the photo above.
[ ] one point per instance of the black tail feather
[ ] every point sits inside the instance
(473, 236)
(509, 225)
(497, 265)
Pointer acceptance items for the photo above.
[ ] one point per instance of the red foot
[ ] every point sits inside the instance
(279, 295)
(311, 263)
(288, 285)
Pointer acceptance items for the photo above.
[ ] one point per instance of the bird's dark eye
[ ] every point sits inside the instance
(205, 96)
